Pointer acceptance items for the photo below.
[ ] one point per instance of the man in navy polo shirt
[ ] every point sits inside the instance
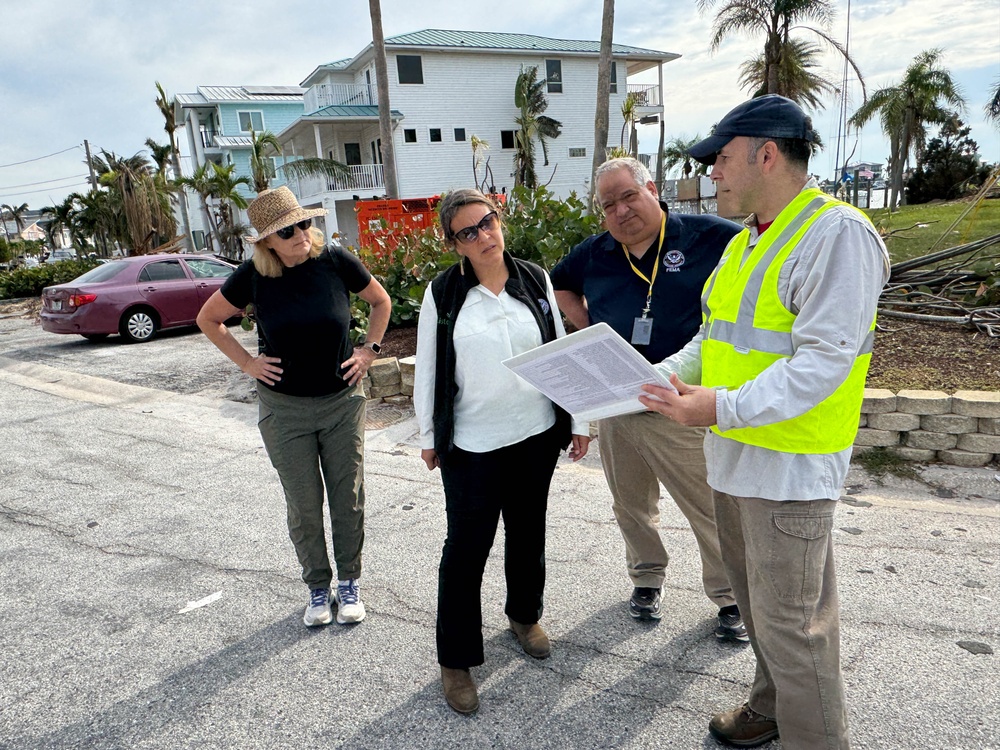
(644, 278)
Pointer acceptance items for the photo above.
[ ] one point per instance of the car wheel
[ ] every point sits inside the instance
(138, 325)
(94, 336)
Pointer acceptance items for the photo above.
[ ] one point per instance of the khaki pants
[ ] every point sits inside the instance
(779, 556)
(639, 451)
(315, 442)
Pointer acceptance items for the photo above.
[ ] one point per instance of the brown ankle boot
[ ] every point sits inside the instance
(532, 638)
(459, 690)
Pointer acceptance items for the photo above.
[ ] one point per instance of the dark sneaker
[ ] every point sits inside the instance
(743, 727)
(731, 626)
(645, 603)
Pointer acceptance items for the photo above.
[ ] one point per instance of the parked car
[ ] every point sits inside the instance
(135, 297)
(61, 254)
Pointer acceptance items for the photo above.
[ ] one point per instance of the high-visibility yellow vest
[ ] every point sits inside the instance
(748, 329)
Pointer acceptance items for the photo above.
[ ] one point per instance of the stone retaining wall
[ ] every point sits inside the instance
(961, 430)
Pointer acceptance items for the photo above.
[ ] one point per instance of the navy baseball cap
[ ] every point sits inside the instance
(770, 116)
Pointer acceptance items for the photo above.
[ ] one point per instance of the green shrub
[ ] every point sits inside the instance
(29, 282)
(541, 228)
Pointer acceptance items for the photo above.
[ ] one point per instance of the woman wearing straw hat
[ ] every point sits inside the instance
(312, 406)
(495, 438)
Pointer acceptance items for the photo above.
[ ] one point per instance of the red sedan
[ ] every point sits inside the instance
(135, 297)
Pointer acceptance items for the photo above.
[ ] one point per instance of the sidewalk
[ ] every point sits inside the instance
(121, 506)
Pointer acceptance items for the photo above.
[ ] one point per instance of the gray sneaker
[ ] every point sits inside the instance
(318, 610)
(350, 608)
(731, 626)
(645, 603)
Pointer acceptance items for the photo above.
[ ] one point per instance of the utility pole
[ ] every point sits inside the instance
(90, 164)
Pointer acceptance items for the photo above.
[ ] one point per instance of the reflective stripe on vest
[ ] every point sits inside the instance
(748, 328)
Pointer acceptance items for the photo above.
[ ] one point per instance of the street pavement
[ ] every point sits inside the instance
(150, 598)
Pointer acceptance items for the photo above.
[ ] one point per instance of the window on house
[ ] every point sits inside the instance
(553, 76)
(459, 134)
(410, 69)
(409, 135)
(352, 154)
(507, 138)
(614, 77)
(434, 135)
(575, 152)
(377, 151)
(251, 121)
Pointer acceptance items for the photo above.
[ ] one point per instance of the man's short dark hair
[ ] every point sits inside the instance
(796, 150)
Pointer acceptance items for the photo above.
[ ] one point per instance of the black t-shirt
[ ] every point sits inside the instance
(598, 270)
(303, 317)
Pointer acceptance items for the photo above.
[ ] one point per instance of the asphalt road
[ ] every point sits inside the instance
(149, 596)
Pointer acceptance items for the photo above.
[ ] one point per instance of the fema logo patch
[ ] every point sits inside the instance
(544, 304)
(673, 260)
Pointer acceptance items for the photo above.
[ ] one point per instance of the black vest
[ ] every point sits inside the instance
(525, 284)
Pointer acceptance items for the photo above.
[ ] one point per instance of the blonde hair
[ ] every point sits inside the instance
(266, 261)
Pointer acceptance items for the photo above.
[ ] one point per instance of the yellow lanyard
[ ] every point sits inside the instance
(656, 266)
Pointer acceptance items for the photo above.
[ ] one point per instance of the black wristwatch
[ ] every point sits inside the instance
(374, 346)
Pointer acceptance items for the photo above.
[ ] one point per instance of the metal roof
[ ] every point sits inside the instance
(352, 111)
(214, 94)
(515, 42)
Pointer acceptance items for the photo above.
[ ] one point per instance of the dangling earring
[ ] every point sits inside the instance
(461, 265)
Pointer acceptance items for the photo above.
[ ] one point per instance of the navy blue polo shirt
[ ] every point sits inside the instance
(598, 270)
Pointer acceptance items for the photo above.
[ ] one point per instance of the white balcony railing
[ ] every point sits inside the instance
(646, 95)
(364, 178)
(339, 94)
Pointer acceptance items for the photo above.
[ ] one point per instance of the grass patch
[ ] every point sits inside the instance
(926, 223)
(881, 461)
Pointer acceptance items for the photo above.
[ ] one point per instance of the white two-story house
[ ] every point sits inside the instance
(444, 88)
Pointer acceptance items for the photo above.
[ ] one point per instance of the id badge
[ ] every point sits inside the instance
(642, 331)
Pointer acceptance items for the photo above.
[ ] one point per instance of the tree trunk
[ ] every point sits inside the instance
(603, 93)
(384, 112)
(182, 197)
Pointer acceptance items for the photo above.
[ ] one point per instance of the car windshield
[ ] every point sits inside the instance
(101, 273)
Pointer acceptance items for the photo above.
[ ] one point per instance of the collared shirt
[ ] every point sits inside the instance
(494, 408)
(831, 281)
(599, 270)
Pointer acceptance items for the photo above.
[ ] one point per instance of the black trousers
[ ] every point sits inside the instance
(480, 487)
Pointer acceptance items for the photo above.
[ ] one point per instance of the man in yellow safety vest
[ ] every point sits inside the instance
(788, 318)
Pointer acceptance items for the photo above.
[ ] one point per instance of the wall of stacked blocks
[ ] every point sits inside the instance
(962, 429)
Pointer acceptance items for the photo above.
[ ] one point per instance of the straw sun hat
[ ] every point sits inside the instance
(276, 209)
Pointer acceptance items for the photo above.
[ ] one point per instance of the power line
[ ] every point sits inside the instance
(43, 182)
(37, 158)
(42, 190)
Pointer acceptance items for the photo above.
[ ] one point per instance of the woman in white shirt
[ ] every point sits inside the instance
(495, 438)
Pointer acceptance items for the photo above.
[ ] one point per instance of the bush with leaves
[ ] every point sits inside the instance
(542, 228)
(29, 282)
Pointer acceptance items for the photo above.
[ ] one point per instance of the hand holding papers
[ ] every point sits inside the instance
(592, 374)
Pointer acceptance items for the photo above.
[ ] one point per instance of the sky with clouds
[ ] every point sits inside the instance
(86, 70)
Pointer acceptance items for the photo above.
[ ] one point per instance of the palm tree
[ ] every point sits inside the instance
(905, 110)
(160, 153)
(262, 170)
(144, 201)
(95, 216)
(530, 99)
(602, 113)
(993, 105)
(167, 109)
(384, 112)
(214, 182)
(676, 154)
(773, 20)
(63, 216)
(629, 118)
(16, 214)
(478, 145)
(797, 78)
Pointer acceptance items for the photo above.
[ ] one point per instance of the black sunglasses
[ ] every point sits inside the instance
(488, 223)
(286, 233)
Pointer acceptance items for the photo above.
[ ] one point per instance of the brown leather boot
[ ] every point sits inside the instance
(743, 727)
(532, 638)
(459, 690)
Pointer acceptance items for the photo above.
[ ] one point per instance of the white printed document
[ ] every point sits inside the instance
(592, 374)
